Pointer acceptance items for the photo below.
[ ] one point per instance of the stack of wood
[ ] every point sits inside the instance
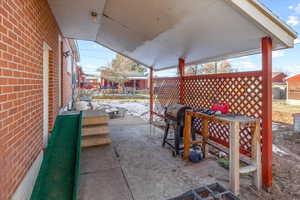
(95, 131)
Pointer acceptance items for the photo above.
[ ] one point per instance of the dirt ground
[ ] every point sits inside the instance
(286, 165)
(283, 112)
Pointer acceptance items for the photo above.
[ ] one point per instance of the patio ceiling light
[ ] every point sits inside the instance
(94, 16)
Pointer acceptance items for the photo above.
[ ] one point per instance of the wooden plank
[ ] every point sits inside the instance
(224, 149)
(205, 137)
(234, 158)
(187, 136)
(197, 142)
(256, 156)
(248, 169)
(266, 44)
(98, 120)
(93, 113)
(95, 130)
(94, 141)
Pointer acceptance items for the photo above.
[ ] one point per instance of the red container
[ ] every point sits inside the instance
(221, 106)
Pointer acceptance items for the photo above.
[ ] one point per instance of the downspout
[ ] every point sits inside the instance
(72, 72)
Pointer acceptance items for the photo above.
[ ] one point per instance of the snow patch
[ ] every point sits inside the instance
(277, 150)
(139, 109)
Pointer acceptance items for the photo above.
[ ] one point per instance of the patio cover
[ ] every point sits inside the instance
(156, 33)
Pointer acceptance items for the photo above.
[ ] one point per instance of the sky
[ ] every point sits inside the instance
(94, 56)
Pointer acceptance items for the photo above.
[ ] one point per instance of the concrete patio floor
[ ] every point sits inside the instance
(136, 167)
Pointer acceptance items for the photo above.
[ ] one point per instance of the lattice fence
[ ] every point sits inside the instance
(242, 91)
(166, 91)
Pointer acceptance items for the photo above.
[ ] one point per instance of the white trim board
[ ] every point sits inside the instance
(59, 70)
(25, 188)
(45, 66)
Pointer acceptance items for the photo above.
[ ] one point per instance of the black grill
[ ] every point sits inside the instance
(174, 117)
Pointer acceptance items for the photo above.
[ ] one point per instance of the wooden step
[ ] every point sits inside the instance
(91, 117)
(95, 130)
(92, 121)
(91, 141)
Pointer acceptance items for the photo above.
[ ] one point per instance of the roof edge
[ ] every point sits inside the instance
(291, 76)
(265, 20)
(272, 16)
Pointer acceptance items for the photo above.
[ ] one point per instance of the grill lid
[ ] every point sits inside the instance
(176, 112)
(172, 110)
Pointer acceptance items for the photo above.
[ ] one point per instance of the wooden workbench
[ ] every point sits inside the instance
(235, 123)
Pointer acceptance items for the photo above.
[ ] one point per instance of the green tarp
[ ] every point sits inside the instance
(58, 176)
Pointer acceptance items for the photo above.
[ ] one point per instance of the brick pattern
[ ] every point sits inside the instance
(294, 89)
(24, 26)
(52, 107)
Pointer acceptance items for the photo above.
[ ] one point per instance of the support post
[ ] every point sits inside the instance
(181, 66)
(205, 138)
(234, 157)
(151, 95)
(134, 86)
(187, 135)
(266, 44)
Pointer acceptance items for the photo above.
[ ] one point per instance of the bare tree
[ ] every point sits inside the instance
(117, 70)
(216, 67)
(192, 70)
(209, 68)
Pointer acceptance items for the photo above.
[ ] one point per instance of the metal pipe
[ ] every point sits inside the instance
(151, 95)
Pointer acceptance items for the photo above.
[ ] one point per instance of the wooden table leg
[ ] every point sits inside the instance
(256, 156)
(187, 136)
(205, 136)
(234, 158)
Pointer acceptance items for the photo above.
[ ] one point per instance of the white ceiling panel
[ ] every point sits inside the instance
(156, 33)
(74, 17)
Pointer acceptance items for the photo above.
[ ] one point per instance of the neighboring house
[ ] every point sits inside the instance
(293, 89)
(278, 77)
(87, 81)
(80, 76)
(92, 81)
(136, 81)
(278, 85)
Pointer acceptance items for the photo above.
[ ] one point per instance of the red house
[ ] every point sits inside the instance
(293, 88)
(136, 81)
(278, 77)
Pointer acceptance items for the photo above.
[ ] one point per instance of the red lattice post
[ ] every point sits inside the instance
(181, 65)
(266, 44)
(151, 95)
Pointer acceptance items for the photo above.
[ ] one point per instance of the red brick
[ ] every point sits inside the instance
(22, 33)
(3, 46)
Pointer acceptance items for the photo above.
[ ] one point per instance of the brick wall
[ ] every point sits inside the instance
(24, 26)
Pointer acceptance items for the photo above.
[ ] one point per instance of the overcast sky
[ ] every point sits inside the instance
(94, 56)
